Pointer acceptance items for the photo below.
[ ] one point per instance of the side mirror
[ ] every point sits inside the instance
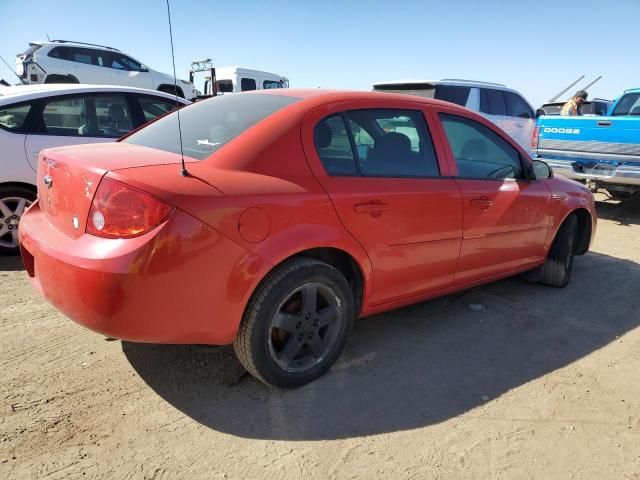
(143, 68)
(541, 169)
(540, 112)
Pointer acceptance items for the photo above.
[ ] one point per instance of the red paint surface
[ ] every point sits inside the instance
(263, 198)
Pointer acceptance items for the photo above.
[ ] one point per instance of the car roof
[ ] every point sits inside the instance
(322, 96)
(71, 43)
(444, 81)
(28, 92)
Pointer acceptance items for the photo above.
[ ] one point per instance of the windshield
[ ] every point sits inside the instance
(208, 125)
(629, 104)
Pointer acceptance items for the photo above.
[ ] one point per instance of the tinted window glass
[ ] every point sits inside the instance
(81, 55)
(153, 108)
(517, 106)
(480, 152)
(59, 52)
(210, 124)
(224, 86)
(492, 102)
(92, 116)
(14, 117)
(122, 62)
(333, 146)
(453, 94)
(247, 84)
(629, 104)
(393, 143)
(271, 84)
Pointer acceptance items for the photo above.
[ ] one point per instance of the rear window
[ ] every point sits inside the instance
(629, 104)
(206, 126)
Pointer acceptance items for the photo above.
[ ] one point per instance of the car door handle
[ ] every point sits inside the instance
(371, 207)
(604, 123)
(482, 202)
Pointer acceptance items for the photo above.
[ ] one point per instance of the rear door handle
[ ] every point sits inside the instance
(371, 207)
(604, 123)
(482, 202)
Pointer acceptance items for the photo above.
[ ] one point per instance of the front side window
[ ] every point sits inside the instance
(453, 93)
(517, 106)
(153, 108)
(629, 104)
(479, 152)
(267, 84)
(91, 116)
(492, 102)
(208, 125)
(247, 84)
(122, 62)
(14, 117)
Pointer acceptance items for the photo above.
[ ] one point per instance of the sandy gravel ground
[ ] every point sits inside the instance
(543, 384)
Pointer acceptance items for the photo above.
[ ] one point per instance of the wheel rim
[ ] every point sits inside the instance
(11, 210)
(305, 327)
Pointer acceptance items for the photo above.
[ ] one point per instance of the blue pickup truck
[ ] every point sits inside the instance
(602, 151)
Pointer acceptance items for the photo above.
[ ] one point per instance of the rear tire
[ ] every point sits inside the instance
(556, 270)
(13, 202)
(296, 324)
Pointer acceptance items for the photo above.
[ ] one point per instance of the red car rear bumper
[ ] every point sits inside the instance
(181, 283)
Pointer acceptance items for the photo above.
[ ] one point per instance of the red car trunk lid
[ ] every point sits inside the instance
(68, 178)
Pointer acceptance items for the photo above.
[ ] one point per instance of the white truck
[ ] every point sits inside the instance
(221, 80)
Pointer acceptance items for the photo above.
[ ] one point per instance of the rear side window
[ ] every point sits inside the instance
(59, 53)
(224, 86)
(479, 152)
(492, 102)
(388, 143)
(82, 55)
(89, 116)
(14, 117)
(153, 108)
(517, 106)
(247, 84)
(208, 125)
(452, 93)
(267, 84)
(334, 147)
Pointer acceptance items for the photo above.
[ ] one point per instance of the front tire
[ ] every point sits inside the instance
(296, 324)
(556, 270)
(14, 200)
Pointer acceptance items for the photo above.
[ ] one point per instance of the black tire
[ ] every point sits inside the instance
(10, 202)
(285, 297)
(60, 79)
(556, 270)
(619, 195)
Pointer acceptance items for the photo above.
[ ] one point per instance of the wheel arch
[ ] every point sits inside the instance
(585, 226)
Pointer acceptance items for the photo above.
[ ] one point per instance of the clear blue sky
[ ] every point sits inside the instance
(536, 47)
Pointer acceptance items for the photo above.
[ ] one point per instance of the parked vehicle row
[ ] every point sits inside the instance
(42, 116)
(601, 150)
(63, 61)
(301, 211)
(505, 107)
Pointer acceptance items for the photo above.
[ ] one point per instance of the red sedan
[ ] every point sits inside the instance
(299, 211)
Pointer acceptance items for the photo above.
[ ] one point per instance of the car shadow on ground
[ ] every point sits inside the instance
(11, 263)
(411, 367)
(626, 212)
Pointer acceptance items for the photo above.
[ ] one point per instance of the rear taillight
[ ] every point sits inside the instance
(121, 211)
(534, 137)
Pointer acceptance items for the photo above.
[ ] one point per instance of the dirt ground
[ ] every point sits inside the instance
(542, 384)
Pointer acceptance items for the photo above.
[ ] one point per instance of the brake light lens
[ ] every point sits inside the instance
(534, 137)
(121, 211)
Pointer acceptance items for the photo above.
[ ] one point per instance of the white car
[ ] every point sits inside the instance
(504, 106)
(63, 61)
(33, 117)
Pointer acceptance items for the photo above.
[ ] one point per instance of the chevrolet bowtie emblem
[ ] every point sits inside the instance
(48, 181)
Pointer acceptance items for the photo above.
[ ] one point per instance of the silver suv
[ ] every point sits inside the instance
(504, 106)
(63, 61)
